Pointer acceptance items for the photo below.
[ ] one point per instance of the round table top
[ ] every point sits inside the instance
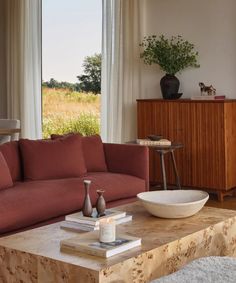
(174, 145)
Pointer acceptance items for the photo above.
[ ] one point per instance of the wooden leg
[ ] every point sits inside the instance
(220, 196)
(163, 170)
(175, 169)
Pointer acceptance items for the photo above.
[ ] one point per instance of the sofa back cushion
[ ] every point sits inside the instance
(11, 153)
(94, 154)
(52, 159)
(93, 151)
(5, 175)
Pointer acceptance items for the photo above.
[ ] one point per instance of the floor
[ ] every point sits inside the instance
(228, 203)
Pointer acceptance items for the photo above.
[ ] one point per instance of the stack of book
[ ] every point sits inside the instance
(209, 97)
(78, 222)
(161, 142)
(89, 244)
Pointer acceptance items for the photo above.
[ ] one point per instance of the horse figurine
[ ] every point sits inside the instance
(210, 90)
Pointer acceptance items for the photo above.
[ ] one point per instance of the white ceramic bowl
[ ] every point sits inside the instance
(174, 203)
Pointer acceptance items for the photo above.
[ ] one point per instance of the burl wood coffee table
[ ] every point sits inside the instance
(35, 256)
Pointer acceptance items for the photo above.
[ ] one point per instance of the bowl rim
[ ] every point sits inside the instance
(175, 204)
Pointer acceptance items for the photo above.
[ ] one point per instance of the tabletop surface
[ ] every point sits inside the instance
(186, 100)
(155, 232)
(9, 131)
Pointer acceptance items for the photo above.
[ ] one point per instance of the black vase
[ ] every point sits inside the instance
(169, 86)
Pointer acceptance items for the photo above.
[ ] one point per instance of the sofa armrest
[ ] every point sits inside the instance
(128, 159)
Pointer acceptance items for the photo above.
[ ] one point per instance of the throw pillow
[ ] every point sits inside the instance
(5, 175)
(94, 155)
(52, 159)
(93, 151)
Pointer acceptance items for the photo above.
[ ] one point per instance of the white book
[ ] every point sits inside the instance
(94, 220)
(89, 244)
(125, 219)
(162, 142)
(208, 97)
(78, 227)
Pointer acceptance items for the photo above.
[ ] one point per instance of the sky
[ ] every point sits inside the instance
(72, 30)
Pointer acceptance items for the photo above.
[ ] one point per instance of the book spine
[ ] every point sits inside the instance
(123, 248)
(220, 97)
(124, 219)
(78, 228)
(81, 221)
(94, 222)
(84, 250)
(118, 216)
(161, 142)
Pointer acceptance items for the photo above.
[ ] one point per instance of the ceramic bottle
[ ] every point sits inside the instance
(100, 204)
(87, 209)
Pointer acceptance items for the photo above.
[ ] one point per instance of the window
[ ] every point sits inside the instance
(71, 54)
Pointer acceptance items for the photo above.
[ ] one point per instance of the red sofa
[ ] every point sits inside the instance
(35, 191)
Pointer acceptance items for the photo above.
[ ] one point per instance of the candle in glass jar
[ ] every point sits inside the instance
(107, 230)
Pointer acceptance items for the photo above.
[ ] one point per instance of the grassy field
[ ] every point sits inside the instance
(67, 111)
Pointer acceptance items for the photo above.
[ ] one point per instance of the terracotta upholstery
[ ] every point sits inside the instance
(5, 176)
(128, 159)
(11, 153)
(93, 152)
(52, 159)
(29, 203)
(62, 217)
(117, 186)
(37, 201)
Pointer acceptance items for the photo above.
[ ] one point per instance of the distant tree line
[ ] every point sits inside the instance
(89, 81)
(52, 83)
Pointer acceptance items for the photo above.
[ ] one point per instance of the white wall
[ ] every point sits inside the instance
(3, 110)
(211, 26)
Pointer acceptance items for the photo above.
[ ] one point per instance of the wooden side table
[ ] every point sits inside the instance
(162, 150)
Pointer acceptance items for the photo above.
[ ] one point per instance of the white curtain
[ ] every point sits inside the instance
(121, 69)
(24, 65)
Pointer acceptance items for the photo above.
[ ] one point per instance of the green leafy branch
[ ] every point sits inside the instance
(172, 55)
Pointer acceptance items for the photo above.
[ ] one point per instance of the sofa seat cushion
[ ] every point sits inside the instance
(5, 176)
(52, 159)
(28, 203)
(116, 186)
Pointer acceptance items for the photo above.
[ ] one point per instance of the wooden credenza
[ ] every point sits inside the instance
(208, 131)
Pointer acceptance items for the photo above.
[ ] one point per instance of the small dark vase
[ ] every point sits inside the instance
(100, 204)
(169, 85)
(87, 209)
